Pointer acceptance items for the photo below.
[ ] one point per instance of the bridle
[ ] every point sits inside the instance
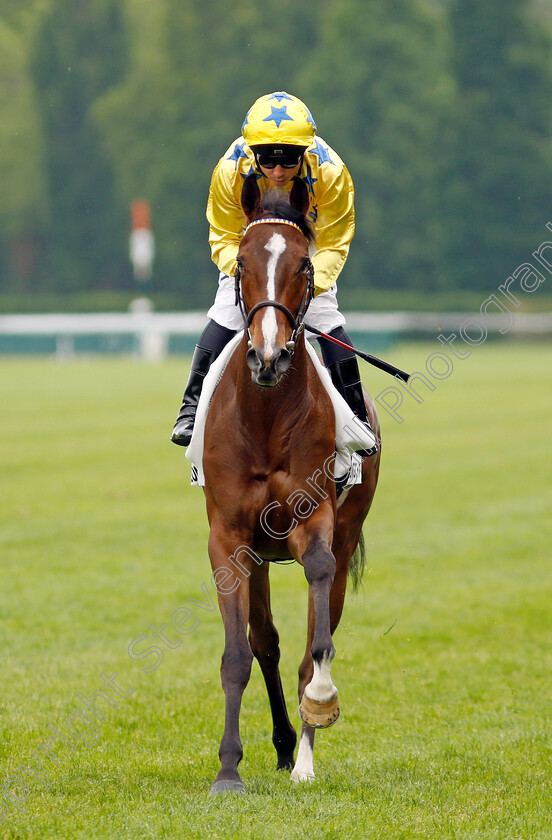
(296, 321)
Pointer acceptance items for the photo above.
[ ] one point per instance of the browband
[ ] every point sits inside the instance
(273, 222)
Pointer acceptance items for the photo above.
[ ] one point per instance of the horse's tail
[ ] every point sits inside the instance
(358, 561)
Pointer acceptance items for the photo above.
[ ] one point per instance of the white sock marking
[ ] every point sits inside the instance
(276, 246)
(321, 688)
(304, 767)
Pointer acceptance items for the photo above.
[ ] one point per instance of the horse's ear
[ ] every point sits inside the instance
(250, 196)
(299, 196)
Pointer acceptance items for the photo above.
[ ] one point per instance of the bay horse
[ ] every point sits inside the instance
(270, 428)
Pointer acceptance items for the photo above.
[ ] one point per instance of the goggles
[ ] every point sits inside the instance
(279, 157)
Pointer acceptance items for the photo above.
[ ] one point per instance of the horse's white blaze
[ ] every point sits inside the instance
(321, 688)
(276, 246)
(304, 767)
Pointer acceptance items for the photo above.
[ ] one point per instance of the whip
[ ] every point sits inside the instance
(372, 360)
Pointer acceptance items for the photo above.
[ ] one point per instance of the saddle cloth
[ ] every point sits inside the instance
(350, 434)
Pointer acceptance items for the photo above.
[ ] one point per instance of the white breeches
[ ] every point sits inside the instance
(323, 311)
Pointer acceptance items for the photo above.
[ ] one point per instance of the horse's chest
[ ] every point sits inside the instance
(282, 502)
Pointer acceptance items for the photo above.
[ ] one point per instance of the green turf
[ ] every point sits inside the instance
(443, 658)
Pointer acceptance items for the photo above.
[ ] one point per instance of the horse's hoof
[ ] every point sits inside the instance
(285, 763)
(227, 786)
(319, 715)
(298, 776)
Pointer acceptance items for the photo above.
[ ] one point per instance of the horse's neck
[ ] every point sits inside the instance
(285, 398)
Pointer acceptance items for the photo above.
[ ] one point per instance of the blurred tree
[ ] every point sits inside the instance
(499, 185)
(23, 207)
(439, 109)
(195, 70)
(380, 92)
(133, 117)
(22, 16)
(79, 52)
(224, 57)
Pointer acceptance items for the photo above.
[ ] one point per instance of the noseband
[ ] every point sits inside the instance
(296, 321)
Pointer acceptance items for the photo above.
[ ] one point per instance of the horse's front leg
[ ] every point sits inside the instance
(319, 706)
(233, 596)
(345, 540)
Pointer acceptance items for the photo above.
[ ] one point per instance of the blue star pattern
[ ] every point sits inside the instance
(278, 115)
(251, 172)
(322, 152)
(279, 97)
(308, 179)
(311, 119)
(237, 153)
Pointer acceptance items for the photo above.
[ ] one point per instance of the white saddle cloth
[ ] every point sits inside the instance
(350, 434)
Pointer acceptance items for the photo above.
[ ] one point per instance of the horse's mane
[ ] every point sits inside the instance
(273, 203)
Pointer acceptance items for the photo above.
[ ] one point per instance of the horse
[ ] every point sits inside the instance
(269, 430)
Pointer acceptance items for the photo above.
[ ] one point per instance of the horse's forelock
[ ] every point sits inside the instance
(274, 204)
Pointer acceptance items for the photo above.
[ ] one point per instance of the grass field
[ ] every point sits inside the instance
(443, 659)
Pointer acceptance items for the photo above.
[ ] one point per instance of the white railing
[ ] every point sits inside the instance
(151, 331)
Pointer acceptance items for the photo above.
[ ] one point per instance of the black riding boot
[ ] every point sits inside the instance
(343, 368)
(211, 342)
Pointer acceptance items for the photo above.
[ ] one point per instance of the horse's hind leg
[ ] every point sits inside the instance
(263, 638)
(304, 766)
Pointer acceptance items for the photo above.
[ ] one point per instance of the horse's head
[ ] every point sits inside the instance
(275, 274)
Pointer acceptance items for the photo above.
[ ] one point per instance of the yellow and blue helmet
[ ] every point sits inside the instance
(279, 118)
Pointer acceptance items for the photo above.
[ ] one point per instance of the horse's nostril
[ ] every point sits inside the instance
(253, 362)
(283, 361)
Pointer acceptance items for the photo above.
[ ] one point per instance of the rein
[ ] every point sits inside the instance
(296, 321)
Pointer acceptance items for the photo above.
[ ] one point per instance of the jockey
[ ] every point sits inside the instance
(278, 142)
